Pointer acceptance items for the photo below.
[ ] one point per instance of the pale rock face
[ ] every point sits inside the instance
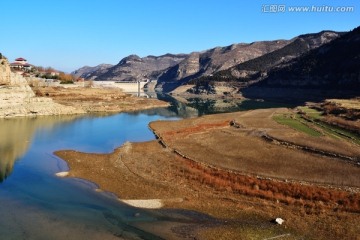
(4, 72)
(17, 98)
(189, 66)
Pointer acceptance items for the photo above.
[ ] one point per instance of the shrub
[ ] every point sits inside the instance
(67, 82)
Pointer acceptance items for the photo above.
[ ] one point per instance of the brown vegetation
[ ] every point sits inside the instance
(285, 192)
(342, 113)
(196, 129)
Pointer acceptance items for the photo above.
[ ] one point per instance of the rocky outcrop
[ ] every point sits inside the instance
(18, 99)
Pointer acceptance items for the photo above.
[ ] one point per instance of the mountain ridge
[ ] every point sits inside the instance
(240, 62)
(257, 68)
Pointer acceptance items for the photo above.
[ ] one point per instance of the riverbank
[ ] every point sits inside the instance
(20, 97)
(94, 100)
(223, 165)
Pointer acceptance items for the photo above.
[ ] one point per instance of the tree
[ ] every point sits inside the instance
(65, 78)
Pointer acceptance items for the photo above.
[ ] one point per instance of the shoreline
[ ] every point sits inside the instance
(149, 170)
(57, 101)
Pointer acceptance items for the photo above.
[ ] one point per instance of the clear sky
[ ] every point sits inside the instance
(68, 34)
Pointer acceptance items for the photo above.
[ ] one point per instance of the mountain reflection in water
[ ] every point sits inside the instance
(187, 107)
(16, 135)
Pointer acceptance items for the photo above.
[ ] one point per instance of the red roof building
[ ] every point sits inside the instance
(20, 60)
(21, 64)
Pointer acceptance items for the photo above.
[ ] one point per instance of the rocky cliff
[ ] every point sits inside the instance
(18, 99)
(133, 68)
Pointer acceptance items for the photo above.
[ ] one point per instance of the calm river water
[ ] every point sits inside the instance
(35, 204)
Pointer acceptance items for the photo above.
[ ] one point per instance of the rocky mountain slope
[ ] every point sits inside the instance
(18, 99)
(91, 72)
(258, 68)
(133, 68)
(208, 62)
(335, 65)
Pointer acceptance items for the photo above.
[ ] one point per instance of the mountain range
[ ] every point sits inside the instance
(90, 73)
(324, 58)
(131, 68)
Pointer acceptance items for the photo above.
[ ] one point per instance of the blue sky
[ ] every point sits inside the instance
(68, 34)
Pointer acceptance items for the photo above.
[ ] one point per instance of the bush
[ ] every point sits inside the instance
(66, 82)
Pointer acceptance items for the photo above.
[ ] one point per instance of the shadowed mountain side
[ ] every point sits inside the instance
(258, 67)
(335, 65)
(330, 71)
(298, 96)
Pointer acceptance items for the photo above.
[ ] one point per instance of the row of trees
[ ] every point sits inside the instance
(51, 73)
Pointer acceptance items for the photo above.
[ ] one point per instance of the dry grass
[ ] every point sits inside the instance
(286, 192)
(98, 99)
(346, 103)
(244, 150)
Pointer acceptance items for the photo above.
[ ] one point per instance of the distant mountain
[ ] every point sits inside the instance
(91, 72)
(335, 65)
(205, 63)
(319, 59)
(258, 68)
(133, 68)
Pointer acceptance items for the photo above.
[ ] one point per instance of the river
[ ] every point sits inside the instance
(35, 204)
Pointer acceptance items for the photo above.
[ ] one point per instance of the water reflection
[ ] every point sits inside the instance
(16, 136)
(187, 107)
(33, 196)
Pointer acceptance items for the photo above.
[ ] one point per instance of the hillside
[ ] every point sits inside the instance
(91, 72)
(335, 65)
(205, 63)
(258, 68)
(133, 68)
